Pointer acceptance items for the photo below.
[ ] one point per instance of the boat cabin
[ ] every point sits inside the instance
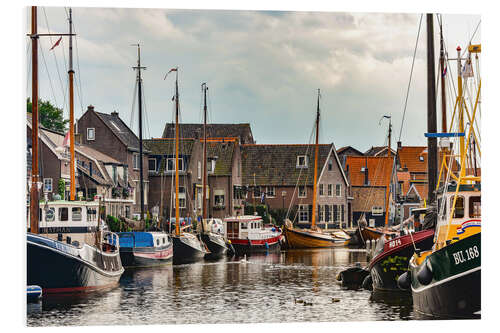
(248, 227)
(63, 216)
(144, 239)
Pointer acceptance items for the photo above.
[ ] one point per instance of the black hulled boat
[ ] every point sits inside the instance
(187, 248)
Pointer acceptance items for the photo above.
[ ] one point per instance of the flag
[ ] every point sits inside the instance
(263, 198)
(57, 43)
(467, 70)
(66, 140)
(172, 70)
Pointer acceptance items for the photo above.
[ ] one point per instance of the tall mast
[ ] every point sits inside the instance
(71, 72)
(431, 111)
(177, 221)
(313, 221)
(139, 93)
(204, 183)
(34, 124)
(460, 111)
(444, 124)
(389, 183)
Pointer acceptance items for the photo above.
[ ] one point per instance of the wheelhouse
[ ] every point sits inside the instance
(68, 214)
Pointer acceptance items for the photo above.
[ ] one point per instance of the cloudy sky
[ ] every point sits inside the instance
(261, 67)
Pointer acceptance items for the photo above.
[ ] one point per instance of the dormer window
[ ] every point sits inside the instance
(152, 164)
(90, 134)
(302, 161)
(171, 164)
(363, 169)
(211, 165)
(421, 158)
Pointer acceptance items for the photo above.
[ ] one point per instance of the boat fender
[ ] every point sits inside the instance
(368, 283)
(404, 280)
(68, 240)
(59, 237)
(424, 276)
(267, 245)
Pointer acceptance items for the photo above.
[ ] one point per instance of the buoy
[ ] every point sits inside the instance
(368, 283)
(297, 300)
(335, 300)
(424, 276)
(34, 293)
(404, 280)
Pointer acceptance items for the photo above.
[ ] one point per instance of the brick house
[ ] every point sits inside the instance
(108, 134)
(285, 173)
(347, 151)
(242, 132)
(369, 177)
(223, 171)
(379, 151)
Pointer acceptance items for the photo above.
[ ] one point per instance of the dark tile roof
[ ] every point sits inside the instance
(376, 151)
(349, 150)
(277, 164)
(167, 146)
(121, 130)
(241, 131)
(224, 153)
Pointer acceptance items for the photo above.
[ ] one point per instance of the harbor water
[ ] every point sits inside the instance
(287, 286)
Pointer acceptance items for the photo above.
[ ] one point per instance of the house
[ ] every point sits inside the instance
(370, 178)
(242, 132)
(108, 134)
(347, 151)
(379, 151)
(282, 176)
(223, 174)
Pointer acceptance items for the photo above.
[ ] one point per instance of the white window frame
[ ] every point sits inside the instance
(306, 161)
(338, 190)
(173, 159)
(270, 191)
(199, 169)
(91, 137)
(330, 190)
(303, 213)
(377, 211)
(321, 190)
(321, 213)
(305, 191)
(156, 166)
(45, 182)
(135, 161)
(182, 197)
(330, 165)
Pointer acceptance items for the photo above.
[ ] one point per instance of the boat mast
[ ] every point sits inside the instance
(443, 79)
(204, 183)
(139, 92)
(313, 221)
(461, 113)
(431, 112)
(34, 203)
(71, 73)
(177, 221)
(389, 183)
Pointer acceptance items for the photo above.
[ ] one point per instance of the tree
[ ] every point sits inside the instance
(50, 116)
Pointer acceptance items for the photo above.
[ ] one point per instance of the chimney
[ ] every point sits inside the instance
(90, 108)
(399, 145)
(366, 176)
(114, 114)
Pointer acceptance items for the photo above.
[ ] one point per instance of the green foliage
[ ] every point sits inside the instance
(114, 223)
(61, 187)
(274, 216)
(51, 117)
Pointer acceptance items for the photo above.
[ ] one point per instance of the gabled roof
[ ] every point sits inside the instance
(379, 151)
(349, 150)
(413, 158)
(276, 164)
(161, 146)
(223, 151)
(379, 170)
(241, 131)
(119, 128)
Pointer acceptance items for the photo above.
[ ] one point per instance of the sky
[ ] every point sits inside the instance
(261, 67)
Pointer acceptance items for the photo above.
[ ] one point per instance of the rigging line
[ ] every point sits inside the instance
(48, 74)
(53, 53)
(28, 71)
(145, 111)
(411, 74)
(80, 94)
(133, 106)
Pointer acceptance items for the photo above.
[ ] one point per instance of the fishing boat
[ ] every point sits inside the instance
(187, 247)
(214, 241)
(143, 248)
(446, 281)
(248, 235)
(313, 237)
(67, 249)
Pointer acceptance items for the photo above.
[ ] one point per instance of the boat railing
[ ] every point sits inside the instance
(110, 241)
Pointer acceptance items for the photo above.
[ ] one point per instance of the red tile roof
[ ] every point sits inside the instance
(379, 170)
(413, 158)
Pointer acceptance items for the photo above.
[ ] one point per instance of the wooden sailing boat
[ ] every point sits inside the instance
(144, 248)
(187, 247)
(446, 281)
(72, 265)
(214, 241)
(313, 237)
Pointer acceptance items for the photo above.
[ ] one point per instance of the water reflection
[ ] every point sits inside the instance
(259, 288)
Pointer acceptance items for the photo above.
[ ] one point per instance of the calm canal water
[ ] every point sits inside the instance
(262, 289)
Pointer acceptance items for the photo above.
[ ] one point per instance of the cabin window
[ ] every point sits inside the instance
(50, 214)
(303, 213)
(243, 226)
(47, 184)
(302, 191)
(321, 191)
(164, 240)
(302, 161)
(157, 242)
(459, 207)
(135, 161)
(475, 206)
(91, 214)
(76, 213)
(338, 190)
(152, 164)
(330, 190)
(63, 214)
(90, 134)
(330, 165)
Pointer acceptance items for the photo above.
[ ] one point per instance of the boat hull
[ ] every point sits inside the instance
(298, 239)
(247, 247)
(57, 271)
(455, 288)
(386, 267)
(146, 256)
(215, 244)
(185, 253)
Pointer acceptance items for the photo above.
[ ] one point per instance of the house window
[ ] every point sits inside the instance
(238, 192)
(90, 134)
(421, 158)
(127, 212)
(342, 213)
(135, 161)
(211, 166)
(270, 191)
(125, 175)
(115, 176)
(475, 206)
(330, 190)
(76, 213)
(47, 184)
(256, 192)
(182, 197)
(63, 214)
(171, 164)
(321, 211)
(303, 213)
(199, 170)
(377, 211)
(152, 164)
(338, 189)
(330, 165)
(219, 198)
(302, 161)
(459, 207)
(302, 191)
(321, 191)
(328, 215)
(90, 168)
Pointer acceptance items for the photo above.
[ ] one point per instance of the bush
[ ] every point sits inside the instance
(114, 223)
(61, 187)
